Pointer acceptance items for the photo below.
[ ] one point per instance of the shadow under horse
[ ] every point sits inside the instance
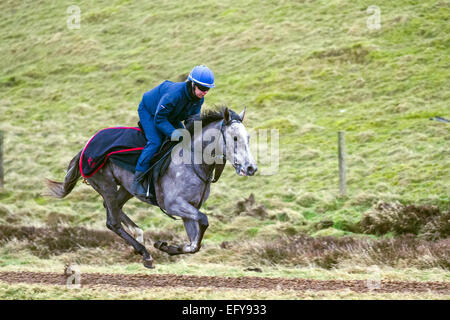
(181, 191)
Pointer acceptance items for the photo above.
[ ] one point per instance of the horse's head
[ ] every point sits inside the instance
(237, 142)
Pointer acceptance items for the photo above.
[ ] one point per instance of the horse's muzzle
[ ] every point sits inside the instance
(246, 170)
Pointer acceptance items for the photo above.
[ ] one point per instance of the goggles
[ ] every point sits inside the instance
(202, 88)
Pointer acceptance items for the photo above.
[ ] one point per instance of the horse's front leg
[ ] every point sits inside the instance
(195, 231)
(195, 224)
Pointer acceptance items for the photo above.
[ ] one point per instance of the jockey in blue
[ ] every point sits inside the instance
(161, 111)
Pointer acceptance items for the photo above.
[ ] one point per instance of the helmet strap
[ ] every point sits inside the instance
(191, 91)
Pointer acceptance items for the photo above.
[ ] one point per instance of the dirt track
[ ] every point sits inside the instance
(156, 280)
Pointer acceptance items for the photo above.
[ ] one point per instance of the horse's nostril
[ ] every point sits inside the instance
(251, 170)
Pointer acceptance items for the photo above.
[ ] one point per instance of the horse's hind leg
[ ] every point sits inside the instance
(122, 197)
(134, 228)
(107, 189)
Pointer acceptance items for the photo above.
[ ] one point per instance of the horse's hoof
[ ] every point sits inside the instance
(148, 263)
(174, 250)
(159, 244)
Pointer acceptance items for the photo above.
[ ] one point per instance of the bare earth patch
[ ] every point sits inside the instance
(170, 280)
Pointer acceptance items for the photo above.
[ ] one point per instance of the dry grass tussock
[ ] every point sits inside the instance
(329, 252)
(94, 246)
(428, 222)
(250, 207)
(58, 240)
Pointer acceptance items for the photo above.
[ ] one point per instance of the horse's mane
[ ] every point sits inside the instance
(210, 116)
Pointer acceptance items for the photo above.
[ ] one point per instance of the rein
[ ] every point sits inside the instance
(217, 168)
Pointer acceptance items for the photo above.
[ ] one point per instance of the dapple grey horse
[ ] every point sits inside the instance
(181, 191)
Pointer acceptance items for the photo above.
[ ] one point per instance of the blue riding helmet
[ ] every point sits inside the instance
(203, 76)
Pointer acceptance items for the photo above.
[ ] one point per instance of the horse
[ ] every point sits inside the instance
(181, 190)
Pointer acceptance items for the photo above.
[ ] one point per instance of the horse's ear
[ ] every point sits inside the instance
(226, 115)
(242, 114)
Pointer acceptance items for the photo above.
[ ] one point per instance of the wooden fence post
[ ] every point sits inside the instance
(341, 152)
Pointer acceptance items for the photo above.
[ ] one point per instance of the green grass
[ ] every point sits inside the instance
(308, 69)
(54, 292)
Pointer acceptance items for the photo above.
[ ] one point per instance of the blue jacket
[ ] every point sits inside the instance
(170, 103)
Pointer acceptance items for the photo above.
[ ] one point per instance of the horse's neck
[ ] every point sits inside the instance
(218, 145)
(199, 138)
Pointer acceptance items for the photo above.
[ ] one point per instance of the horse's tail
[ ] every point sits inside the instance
(62, 189)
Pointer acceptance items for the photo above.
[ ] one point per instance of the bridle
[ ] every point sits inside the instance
(224, 151)
(217, 168)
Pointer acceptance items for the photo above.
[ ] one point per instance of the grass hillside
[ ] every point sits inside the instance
(306, 68)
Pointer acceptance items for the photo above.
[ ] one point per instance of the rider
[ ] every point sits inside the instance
(161, 111)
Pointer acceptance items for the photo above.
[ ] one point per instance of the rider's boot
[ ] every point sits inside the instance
(137, 188)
